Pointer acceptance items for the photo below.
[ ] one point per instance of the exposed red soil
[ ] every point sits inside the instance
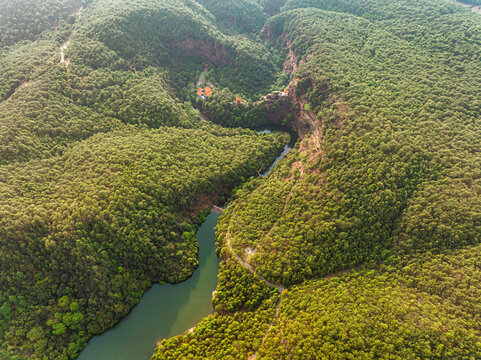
(215, 52)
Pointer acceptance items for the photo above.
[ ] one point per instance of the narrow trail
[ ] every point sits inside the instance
(201, 77)
(64, 47)
(288, 197)
(247, 265)
(271, 324)
(21, 86)
(281, 288)
(316, 128)
(63, 60)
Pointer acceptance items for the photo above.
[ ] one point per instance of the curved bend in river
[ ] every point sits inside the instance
(168, 310)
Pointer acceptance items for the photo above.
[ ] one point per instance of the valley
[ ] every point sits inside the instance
(249, 179)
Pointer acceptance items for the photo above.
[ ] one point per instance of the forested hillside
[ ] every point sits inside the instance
(162, 33)
(127, 72)
(395, 164)
(373, 222)
(426, 308)
(103, 169)
(27, 19)
(85, 233)
(244, 15)
(362, 243)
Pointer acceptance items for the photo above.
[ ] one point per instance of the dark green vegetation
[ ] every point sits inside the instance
(222, 109)
(397, 163)
(105, 165)
(244, 15)
(386, 181)
(86, 233)
(103, 170)
(27, 19)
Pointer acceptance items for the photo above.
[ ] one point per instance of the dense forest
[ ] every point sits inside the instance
(362, 243)
(374, 183)
(85, 233)
(28, 19)
(385, 181)
(103, 168)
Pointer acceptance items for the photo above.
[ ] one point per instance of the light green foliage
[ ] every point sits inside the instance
(394, 184)
(22, 63)
(426, 308)
(97, 225)
(122, 73)
(101, 168)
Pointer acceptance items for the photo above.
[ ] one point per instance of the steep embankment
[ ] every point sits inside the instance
(332, 169)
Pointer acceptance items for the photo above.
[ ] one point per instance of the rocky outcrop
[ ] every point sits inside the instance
(212, 51)
(266, 32)
(278, 107)
(290, 65)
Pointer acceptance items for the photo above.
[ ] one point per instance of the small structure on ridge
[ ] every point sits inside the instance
(204, 93)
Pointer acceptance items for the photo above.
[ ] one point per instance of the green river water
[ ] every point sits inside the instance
(165, 310)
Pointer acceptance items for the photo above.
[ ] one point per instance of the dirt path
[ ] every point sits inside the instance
(201, 77)
(247, 266)
(64, 47)
(316, 128)
(271, 324)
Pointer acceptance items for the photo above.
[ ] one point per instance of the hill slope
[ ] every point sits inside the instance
(103, 170)
(384, 185)
(362, 243)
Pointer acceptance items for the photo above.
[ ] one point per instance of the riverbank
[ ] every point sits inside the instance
(169, 309)
(165, 310)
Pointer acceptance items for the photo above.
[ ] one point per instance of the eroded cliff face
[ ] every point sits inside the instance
(277, 106)
(266, 32)
(212, 51)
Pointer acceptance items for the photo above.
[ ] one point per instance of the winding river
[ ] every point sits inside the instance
(168, 310)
